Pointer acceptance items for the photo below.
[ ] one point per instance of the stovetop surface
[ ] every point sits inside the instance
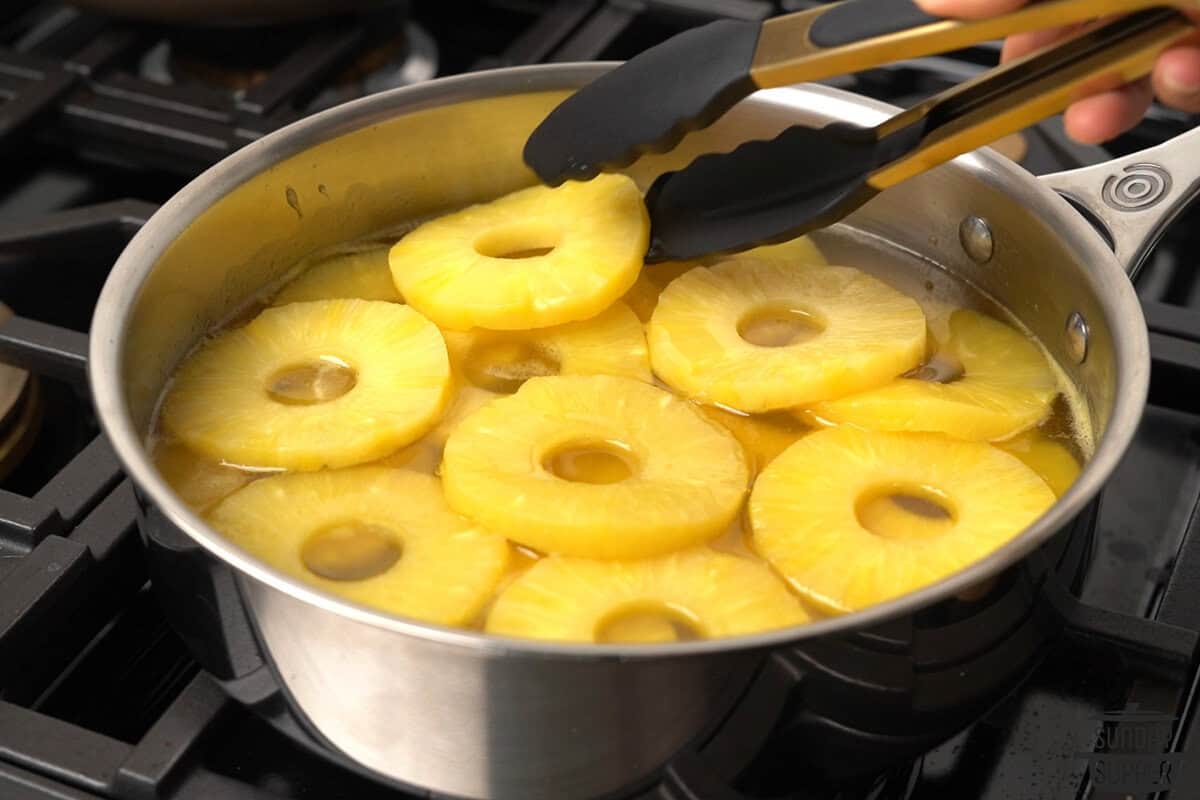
(101, 121)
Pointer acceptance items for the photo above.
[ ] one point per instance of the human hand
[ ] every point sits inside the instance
(1100, 117)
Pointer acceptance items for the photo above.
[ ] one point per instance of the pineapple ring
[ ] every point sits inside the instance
(763, 436)
(535, 258)
(360, 273)
(499, 361)
(685, 476)
(219, 404)
(489, 364)
(447, 567)
(200, 482)
(867, 334)
(643, 297)
(1006, 387)
(799, 252)
(1045, 456)
(806, 512)
(581, 600)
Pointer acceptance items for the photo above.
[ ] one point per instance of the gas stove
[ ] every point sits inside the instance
(1072, 677)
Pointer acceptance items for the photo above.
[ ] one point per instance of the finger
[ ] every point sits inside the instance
(1102, 116)
(1025, 43)
(1177, 77)
(969, 9)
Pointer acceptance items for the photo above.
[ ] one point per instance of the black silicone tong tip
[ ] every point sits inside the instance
(647, 104)
(765, 192)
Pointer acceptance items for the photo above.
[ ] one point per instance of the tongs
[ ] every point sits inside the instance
(806, 178)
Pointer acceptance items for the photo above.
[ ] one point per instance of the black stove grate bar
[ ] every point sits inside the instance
(690, 778)
(59, 353)
(29, 88)
(181, 142)
(83, 43)
(44, 349)
(108, 114)
(61, 750)
(58, 598)
(157, 767)
(33, 639)
(1185, 782)
(595, 36)
(75, 229)
(61, 33)
(182, 129)
(1157, 646)
(79, 486)
(112, 524)
(714, 9)
(1175, 373)
(155, 760)
(1179, 606)
(20, 784)
(303, 71)
(1164, 318)
(581, 30)
(102, 51)
(540, 39)
(23, 523)
(191, 101)
(71, 493)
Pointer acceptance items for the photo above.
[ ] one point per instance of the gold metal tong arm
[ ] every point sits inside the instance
(1023, 92)
(786, 53)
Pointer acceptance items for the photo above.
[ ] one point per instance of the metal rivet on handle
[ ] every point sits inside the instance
(1077, 337)
(975, 235)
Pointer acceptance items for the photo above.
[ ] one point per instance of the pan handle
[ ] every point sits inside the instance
(1132, 200)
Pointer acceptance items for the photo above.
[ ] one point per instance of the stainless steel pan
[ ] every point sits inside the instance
(466, 714)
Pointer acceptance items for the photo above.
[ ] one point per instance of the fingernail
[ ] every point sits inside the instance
(1181, 82)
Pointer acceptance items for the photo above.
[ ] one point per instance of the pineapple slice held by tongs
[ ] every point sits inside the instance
(770, 191)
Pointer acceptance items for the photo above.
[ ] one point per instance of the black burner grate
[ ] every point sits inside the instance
(82, 73)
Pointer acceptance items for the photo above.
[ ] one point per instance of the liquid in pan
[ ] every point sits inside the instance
(547, 440)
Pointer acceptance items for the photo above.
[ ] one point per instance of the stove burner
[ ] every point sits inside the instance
(162, 65)
(408, 60)
(20, 411)
(407, 57)
(12, 380)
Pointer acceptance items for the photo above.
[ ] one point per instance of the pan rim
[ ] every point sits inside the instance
(136, 262)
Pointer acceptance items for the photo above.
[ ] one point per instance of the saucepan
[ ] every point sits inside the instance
(466, 714)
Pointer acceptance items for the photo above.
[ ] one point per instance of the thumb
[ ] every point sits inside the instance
(969, 9)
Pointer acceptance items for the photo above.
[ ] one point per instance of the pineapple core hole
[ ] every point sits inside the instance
(646, 623)
(899, 511)
(502, 365)
(351, 551)
(518, 240)
(327, 378)
(939, 369)
(597, 462)
(778, 326)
